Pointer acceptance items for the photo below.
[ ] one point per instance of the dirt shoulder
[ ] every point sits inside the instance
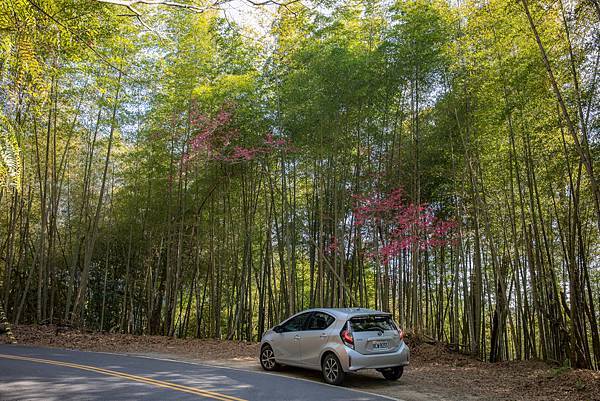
(434, 373)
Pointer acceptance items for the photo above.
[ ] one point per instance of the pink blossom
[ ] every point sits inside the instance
(405, 225)
(217, 139)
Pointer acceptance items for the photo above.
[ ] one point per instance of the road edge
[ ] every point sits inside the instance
(209, 364)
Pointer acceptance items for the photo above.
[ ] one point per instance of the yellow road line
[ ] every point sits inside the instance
(140, 379)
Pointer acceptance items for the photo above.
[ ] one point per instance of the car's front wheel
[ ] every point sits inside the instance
(392, 373)
(332, 370)
(267, 358)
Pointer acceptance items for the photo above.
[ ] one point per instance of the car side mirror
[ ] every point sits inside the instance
(278, 329)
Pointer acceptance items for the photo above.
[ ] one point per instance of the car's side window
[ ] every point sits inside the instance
(320, 321)
(296, 323)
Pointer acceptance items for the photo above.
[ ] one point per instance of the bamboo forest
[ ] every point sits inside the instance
(207, 168)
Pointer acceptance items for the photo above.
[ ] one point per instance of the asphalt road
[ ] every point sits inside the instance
(33, 373)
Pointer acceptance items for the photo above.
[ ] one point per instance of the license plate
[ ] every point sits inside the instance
(380, 345)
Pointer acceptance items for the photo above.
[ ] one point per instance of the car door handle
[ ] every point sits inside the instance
(323, 335)
(296, 337)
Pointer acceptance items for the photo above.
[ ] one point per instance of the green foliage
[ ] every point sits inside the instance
(451, 102)
(10, 160)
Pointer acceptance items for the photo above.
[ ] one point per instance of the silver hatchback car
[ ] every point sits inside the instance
(337, 341)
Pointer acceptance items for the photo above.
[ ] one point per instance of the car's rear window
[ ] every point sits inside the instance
(372, 323)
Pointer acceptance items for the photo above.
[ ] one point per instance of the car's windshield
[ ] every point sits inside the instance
(372, 323)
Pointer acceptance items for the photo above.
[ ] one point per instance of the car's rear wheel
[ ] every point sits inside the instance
(267, 358)
(392, 373)
(332, 370)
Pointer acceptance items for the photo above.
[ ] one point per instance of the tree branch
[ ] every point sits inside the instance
(192, 7)
(130, 3)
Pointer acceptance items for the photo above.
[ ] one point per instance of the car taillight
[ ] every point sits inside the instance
(401, 334)
(347, 338)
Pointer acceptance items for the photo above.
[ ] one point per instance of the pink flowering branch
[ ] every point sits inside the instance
(216, 139)
(404, 225)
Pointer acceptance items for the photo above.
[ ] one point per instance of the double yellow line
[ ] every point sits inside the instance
(140, 379)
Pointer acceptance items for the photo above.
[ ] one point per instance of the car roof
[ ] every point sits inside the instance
(347, 313)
